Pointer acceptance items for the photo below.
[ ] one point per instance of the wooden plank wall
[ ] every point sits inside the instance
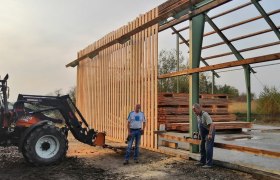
(120, 76)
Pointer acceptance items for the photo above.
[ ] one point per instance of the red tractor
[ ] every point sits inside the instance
(39, 125)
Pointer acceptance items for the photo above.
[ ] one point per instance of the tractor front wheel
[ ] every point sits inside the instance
(46, 145)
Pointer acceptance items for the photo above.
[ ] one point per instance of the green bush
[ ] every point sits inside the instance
(269, 101)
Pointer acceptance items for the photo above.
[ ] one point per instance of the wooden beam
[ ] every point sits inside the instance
(180, 139)
(237, 38)
(195, 12)
(241, 23)
(169, 144)
(220, 14)
(259, 59)
(243, 50)
(250, 150)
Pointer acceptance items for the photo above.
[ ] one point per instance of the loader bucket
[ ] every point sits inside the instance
(100, 139)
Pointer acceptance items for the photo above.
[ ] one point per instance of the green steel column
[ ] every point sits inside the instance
(178, 63)
(248, 90)
(196, 38)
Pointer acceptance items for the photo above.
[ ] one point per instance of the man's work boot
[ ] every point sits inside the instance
(136, 161)
(125, 162)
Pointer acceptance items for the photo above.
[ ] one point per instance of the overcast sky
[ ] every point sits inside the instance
(39, 37)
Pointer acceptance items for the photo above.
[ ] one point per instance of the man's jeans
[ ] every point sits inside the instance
(135, 135)
(206, 146)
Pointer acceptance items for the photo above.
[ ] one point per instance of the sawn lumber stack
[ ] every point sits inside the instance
(173, 111)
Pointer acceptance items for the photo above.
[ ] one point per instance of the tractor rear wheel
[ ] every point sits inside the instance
(46, 145)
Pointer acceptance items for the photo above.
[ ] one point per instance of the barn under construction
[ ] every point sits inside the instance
(121, 69)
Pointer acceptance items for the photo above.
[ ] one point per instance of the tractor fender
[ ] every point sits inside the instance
(28, 131)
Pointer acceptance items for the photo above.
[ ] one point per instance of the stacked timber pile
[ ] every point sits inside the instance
(173, 111)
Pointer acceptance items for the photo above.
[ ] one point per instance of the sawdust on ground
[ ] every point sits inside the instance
(86, 162)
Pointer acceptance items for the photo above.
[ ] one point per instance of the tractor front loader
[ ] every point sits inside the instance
(39, 125)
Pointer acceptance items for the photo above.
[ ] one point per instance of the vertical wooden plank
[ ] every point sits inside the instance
(140, 42)
(89, 93)
(108, 89)
(92, 92)
(155, 61)
(109, 93)
(95, 92)
(118, 93)
(83, 90)
(100, 86)
(106, 52)
(137, 64)
(130, 69)
(95, 119)
(145, 83)
(133, 67)
(122, 90)
(152, 85)
(103, 86)
(98, 91)
(149, 81)
(126, 78)
(114, 93)
(122, 94)
(120, 120)
(104, 77)
(109, 133)
(142, 35)
(154, 82)
(121, 123)
(78, 80)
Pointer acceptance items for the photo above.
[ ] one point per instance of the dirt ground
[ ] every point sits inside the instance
(85, 162)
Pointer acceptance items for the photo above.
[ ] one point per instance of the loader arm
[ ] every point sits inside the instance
(73, 118)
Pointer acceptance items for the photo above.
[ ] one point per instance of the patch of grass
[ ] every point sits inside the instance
(241, 107)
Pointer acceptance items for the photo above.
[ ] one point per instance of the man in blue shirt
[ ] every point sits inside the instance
(136, 123)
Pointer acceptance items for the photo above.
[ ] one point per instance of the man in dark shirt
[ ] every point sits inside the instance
(207, 133)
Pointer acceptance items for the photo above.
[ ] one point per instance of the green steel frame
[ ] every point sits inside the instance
(266, 17)
(196, 30)
(196, 38)
(247, 68)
